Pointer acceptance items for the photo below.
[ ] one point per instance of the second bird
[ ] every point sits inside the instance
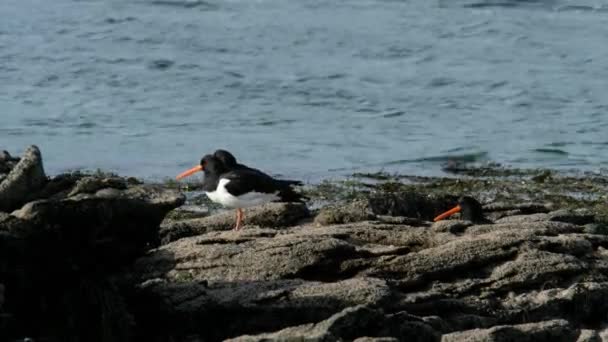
(240, 187)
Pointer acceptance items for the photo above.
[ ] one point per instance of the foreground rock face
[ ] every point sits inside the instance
(541, 279)
(62, 250)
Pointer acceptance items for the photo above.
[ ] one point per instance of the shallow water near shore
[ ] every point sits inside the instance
(308, 90)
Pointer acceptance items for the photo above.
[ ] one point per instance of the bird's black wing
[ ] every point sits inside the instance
(243, 181)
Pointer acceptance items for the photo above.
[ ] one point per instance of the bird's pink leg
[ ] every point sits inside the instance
(239, 219)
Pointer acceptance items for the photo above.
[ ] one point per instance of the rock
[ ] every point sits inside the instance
(450, 226)
(229, 256)
(581, 302)
(549, 331)
(355, 211)
(60, 259)
(351, 323)
(7, 162)
(26, 177)
(588, 335)
(523, 208)
(596, 228)
(1, 296)
(577, 216)
(524, 218)
(271, 215)
(446, 278)
(376, 339)
(235, 308)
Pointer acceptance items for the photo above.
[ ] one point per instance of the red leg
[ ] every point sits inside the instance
(239, 219)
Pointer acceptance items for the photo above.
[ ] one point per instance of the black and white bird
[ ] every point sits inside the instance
(470, 210)
(231, 164)
(239, 188)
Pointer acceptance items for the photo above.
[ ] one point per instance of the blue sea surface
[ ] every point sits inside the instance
(305, 89)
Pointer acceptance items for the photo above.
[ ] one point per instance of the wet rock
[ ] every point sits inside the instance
(355, 211)
(351, 323)
(26, 177)
(549, 331)
(273, 215)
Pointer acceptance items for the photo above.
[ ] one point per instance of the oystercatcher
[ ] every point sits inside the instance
(241, 187)
(231, 164)
(470, 210)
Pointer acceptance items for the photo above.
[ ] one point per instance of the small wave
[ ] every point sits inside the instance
(275, 122)
(161, 64)
(553, 151)
(182, 3)
(459, 158)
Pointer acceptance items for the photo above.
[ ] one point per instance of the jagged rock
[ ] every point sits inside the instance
(26, 177)
(355, 211)
(549, 331)
(358, 321)
(274, 215)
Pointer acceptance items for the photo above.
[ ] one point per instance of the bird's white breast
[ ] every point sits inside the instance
(250, 199)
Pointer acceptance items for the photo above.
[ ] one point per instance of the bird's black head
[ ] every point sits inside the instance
(209, 164)
(226, 158)
(470, 209)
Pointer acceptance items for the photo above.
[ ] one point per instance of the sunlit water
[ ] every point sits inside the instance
(306, 89)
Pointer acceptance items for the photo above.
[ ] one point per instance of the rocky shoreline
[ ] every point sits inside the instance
(106, 258)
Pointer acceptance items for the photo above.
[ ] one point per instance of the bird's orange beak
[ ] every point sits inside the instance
(189, 172)
(447, 213)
